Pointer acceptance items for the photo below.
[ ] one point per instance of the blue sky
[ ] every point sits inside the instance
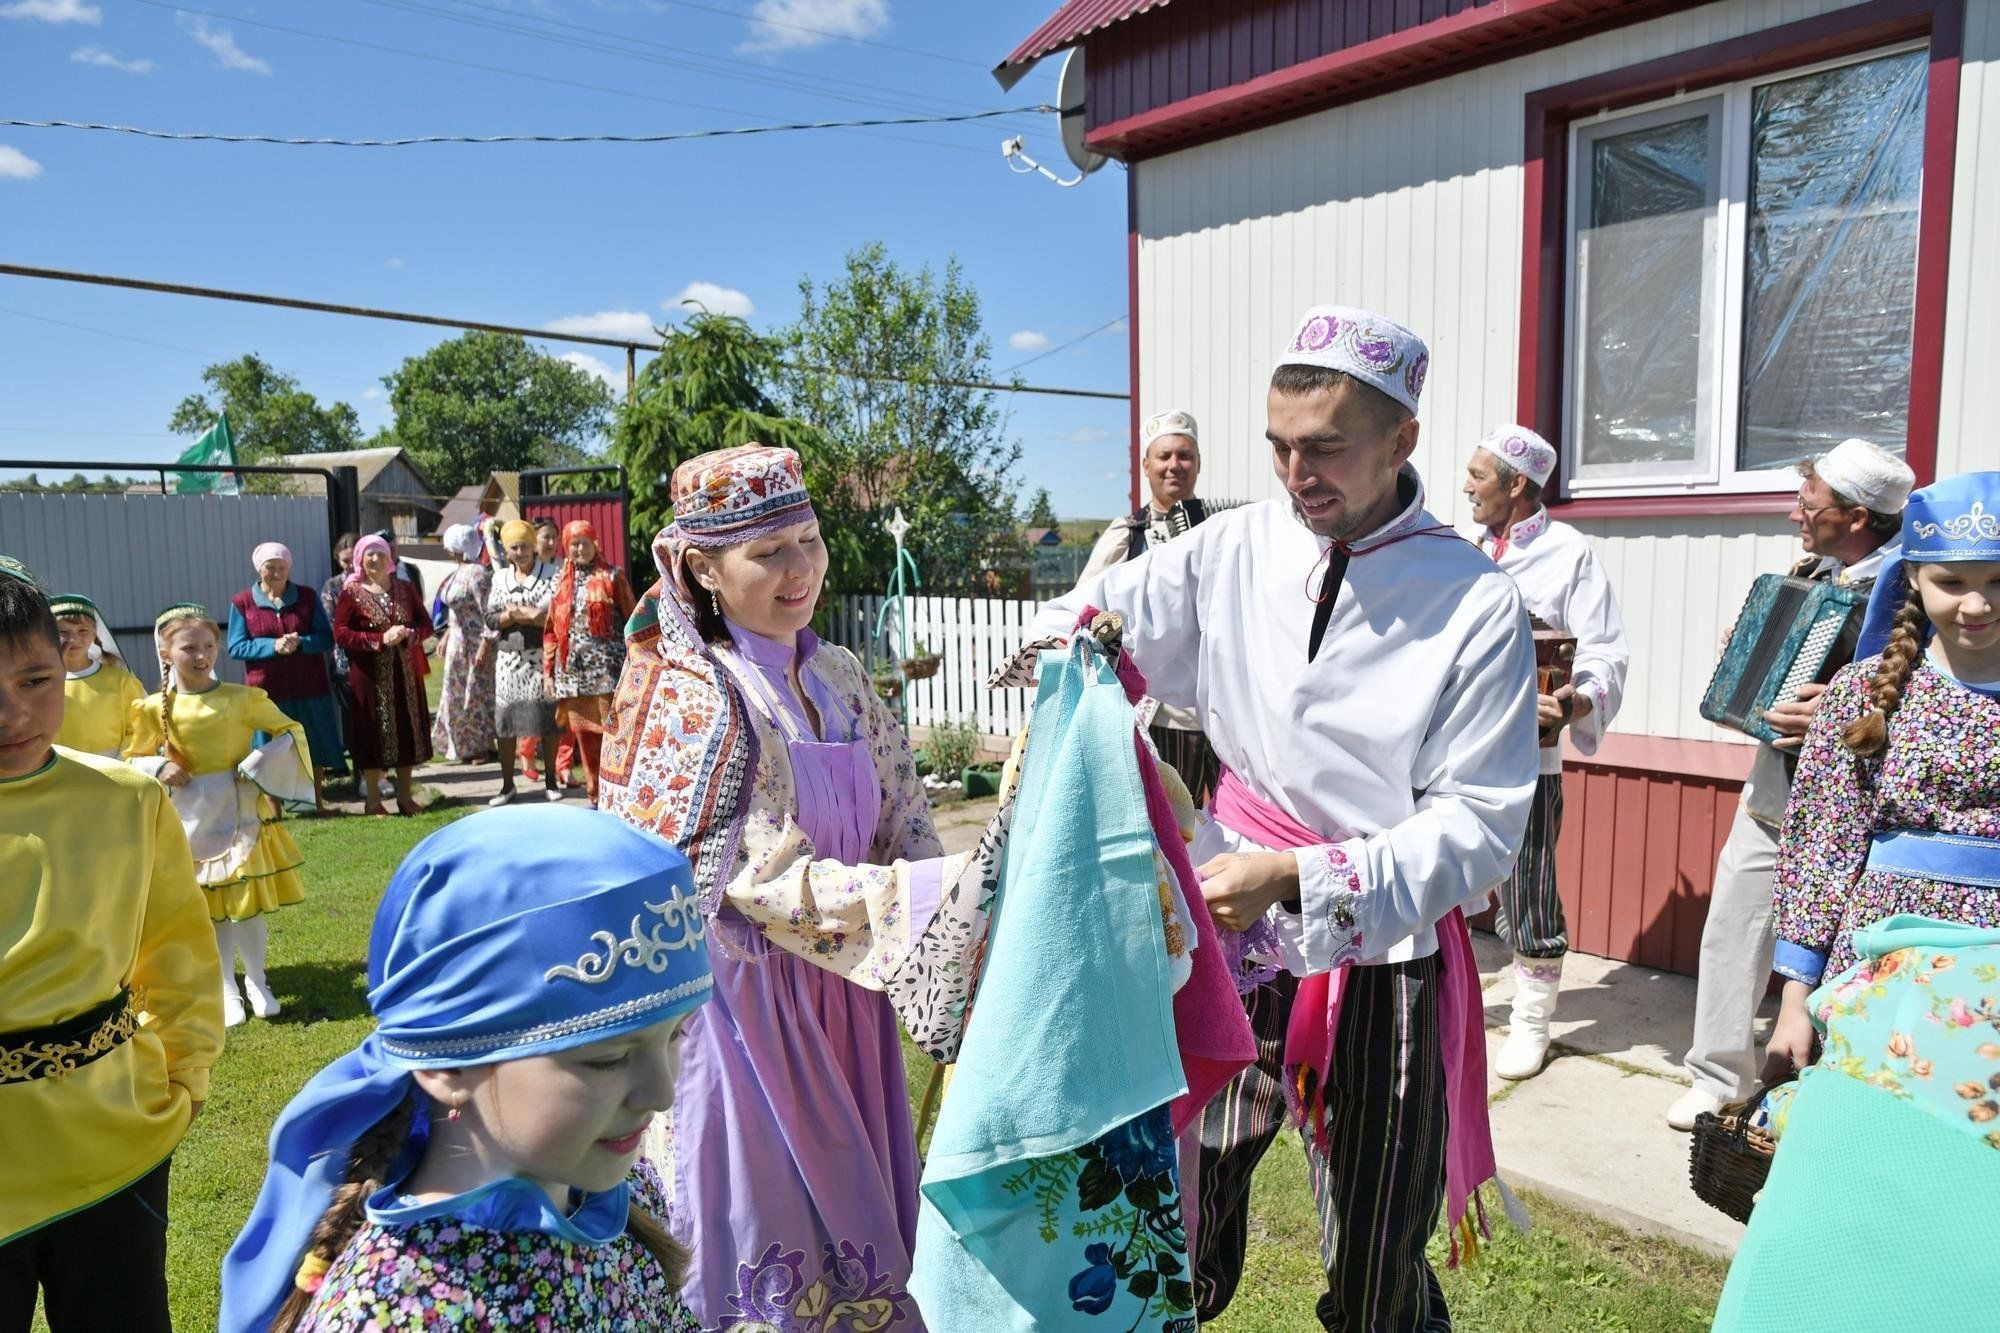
(587, 237)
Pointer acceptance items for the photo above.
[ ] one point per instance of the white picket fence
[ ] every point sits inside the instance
(973, 635)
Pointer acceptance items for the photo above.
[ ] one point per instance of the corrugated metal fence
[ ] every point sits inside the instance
(134, 554)
(972, 634)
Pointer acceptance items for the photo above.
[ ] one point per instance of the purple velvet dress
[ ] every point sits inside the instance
(794, 1162)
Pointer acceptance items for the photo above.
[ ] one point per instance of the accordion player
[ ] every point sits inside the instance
(1792, 632)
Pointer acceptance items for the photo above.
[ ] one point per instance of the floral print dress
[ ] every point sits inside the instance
(462, 731)
(521, 706)
(1940, 773)
(459, 1271)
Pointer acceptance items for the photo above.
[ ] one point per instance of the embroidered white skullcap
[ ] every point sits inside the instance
(1523, 450)
(1867, 474)
(1372, 348)
(1167, 423)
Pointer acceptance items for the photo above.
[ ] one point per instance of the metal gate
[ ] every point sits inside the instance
(606, 510)
(133, 554)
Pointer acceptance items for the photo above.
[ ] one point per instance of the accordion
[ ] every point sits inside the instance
(1792, 632)
(1555, 654)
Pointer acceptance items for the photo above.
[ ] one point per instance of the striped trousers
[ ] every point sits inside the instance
(1530, 917)
(1379, 1189)
(1189, 754)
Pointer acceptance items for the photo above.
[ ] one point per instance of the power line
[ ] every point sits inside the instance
(496, 69)
(1063, 347)
(609, 42)
(442, 321)
(199, 136)
(828, 33)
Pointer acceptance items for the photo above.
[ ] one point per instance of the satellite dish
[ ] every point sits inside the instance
(1069, 103)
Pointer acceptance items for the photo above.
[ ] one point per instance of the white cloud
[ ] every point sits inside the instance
(1087, 435)
(720, 300)
(221, 43)
(395, 261)
(786, 25)
(1118, 325)
(17, 165)
(97, 55)
(53, 11)
(1027, 340)
(633, 324)
(590, 365)
(372, 392)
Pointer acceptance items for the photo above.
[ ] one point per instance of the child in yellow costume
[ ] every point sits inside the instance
(108, 1017)
(198, 736)
(99, 692)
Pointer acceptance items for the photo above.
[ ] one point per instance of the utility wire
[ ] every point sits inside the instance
(444, 321)
(497, 18)
(828, 33)
(1063, 347)
(195, 136)
(498, 69)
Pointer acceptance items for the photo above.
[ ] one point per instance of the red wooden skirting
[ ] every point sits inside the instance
(1637, 859)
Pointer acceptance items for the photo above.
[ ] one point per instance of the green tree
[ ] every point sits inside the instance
(269, 414)
(488, 401)
(709, 388)
(870, 365)
(1042, 510)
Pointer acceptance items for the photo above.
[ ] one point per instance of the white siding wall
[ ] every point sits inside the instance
(1410, 204)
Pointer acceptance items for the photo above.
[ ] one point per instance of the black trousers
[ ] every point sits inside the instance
(1530, 920)
(1379, 1189)
(101, 1268)
(1189, 754)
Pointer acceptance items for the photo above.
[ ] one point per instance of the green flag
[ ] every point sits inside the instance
(214, 449)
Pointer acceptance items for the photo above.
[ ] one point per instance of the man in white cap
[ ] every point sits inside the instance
(1170, 456)
(1367, 678)
(1566, 589)
(1848, 512)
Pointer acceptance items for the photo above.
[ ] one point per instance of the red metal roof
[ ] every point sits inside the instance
(1067, 24)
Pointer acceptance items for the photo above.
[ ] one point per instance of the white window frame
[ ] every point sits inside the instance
(1717, 473)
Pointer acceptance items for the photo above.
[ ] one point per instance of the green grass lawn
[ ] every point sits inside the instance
(1572, 1273)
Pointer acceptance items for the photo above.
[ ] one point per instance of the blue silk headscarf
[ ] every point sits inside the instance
(1954, 519)
(510, 933)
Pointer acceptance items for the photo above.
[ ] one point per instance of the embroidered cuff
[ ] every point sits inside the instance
(1798, 963)
(1331, 902)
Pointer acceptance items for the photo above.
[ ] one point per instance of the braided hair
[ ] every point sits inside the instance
(1868, 735)
(372, 1159)
(163, 637)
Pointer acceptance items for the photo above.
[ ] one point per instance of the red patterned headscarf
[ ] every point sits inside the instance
(600, 593)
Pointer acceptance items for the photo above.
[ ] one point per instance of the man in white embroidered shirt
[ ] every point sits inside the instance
(1566, 590)
(1367, 679)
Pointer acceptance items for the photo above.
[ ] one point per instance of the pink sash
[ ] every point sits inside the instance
(1309, 1038)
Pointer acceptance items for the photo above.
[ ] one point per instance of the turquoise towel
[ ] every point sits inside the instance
(1051, 1195)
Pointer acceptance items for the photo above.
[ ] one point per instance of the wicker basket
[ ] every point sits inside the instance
(889, 688)
(1729, 1159)
(922, 668)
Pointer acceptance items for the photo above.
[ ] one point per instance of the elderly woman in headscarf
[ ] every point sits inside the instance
(463, 728)
(517, 608)
(765, 756)
(381, 621)
(279, 630)
(584, 648)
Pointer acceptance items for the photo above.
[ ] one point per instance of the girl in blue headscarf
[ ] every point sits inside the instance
(472, 1163)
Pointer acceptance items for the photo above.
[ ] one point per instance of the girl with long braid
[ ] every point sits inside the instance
(198, 736)
(1888, 916)
(1896, 806)
(474, 1163)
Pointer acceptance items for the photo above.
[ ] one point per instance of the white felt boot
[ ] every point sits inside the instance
(232, 999)
(1537, 981)
(250, 938)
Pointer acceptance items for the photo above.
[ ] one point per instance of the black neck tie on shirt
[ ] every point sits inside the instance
(1329, 589)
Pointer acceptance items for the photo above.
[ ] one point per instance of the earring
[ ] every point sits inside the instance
(453, 1114)
(715, 602)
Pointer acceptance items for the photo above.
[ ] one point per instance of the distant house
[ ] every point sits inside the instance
(395, 494)
(1042, 536)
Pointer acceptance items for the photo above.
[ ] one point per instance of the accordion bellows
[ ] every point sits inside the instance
(1791, 633)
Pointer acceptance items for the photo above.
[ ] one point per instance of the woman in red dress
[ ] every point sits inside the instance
(381, 623)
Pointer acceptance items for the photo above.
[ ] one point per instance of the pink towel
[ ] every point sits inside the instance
(1210, 1026)
(1309, 1039)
